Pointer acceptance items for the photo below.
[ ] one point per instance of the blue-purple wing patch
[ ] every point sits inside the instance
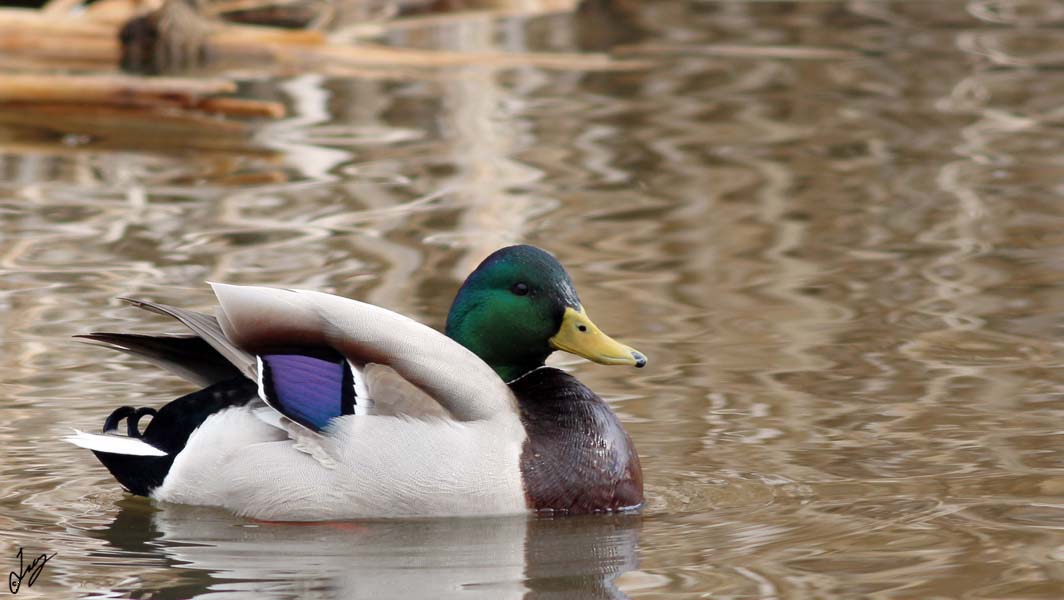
(309, 390)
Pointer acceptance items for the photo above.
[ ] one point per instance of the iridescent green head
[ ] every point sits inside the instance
(519, 306)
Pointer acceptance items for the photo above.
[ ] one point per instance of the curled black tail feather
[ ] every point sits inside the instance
(168, 431)
(116, 416)
(132, 417)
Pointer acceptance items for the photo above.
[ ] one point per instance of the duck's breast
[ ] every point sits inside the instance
(577, 457)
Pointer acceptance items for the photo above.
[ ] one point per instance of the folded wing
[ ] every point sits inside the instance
(260, 320)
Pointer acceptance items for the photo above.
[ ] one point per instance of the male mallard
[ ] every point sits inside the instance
(319, 407)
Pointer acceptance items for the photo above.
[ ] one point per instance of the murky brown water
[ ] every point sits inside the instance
(834, 227)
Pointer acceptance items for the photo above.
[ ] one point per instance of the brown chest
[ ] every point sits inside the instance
(577, 458)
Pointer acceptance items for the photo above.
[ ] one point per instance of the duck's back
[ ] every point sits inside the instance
(577, 458)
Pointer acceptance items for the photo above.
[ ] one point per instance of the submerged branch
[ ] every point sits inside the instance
(86, 91)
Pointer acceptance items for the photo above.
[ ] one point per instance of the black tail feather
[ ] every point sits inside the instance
(168, 431)
(187, 356)
(138, 474)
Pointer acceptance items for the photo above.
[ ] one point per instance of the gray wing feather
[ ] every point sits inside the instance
(393, 395)
(207, 328)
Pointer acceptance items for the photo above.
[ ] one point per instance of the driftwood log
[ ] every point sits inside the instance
(61, 65)
(175, 37)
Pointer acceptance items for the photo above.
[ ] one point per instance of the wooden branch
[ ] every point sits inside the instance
(56, 8)
(102, 51)
(388, 56)
(255, 34)
(109, 89)
(127, 91)
(224, 6)
(17, 20)
(242, 107)
(117, 12)
(131, 126)
(377, 29)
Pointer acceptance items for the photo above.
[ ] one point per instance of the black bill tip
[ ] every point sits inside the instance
(640, 360)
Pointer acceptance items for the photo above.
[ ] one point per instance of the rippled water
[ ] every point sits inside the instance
(834, 227)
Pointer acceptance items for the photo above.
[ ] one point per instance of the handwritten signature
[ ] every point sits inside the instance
(14, 578)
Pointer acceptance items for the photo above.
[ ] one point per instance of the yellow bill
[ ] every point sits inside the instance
(581, 337)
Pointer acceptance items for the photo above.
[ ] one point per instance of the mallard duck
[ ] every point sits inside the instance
(317, 407)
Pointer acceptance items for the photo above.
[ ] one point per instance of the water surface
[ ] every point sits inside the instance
(833, 227)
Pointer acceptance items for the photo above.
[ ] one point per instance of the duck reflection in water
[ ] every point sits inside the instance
(498, 558)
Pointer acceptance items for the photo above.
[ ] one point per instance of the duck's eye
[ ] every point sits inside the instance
(521, 289)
